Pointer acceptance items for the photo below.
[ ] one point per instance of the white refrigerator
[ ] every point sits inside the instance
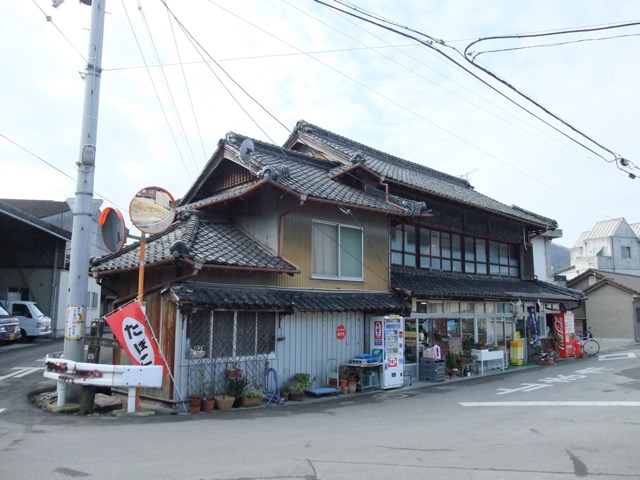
(387, 343)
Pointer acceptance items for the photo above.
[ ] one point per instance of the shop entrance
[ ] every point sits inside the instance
(455, 333)
(416, 332)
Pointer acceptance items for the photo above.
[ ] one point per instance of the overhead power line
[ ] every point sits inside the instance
(433, 43)
(620, 161)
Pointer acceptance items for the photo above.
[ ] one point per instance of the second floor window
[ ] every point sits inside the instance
(337, 251)
(429, 249)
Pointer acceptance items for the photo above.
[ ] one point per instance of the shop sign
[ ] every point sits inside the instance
(129, 327)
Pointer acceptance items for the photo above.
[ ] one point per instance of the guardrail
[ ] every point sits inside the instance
(101, 375)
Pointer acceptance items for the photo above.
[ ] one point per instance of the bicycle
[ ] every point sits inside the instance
(590, 346)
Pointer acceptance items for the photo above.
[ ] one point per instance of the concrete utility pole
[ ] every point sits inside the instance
(83, 208)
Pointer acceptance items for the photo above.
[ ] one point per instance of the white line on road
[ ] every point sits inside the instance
(21, 372)
(550, 404)
(616, 356)
(2, 410)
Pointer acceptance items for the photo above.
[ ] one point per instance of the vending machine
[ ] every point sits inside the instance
(564, 325)
(387, 343)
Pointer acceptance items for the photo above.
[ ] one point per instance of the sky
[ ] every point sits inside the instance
(178, 75)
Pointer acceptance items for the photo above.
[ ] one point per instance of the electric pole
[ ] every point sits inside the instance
(83, 208)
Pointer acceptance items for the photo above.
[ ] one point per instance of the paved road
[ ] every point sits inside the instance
(576, 419)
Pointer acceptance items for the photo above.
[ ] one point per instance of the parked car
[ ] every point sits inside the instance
(9, 327)
(33, 323)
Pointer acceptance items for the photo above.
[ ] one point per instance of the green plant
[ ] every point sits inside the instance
(452, 360)
(237, 387)
(301, 382)
(284, 390)
(252, 393)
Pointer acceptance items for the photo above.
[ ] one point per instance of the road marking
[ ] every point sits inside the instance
(616, 356)
(21, 372)
(550, 404)
(2, 410)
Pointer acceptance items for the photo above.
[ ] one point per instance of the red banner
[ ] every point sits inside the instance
(129, 327)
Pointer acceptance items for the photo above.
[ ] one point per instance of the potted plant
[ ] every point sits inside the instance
(252, 397)
(452, 363)
(284, 392)
(197, 351)
(234, 372)
(196, 398)
(301, 382)
(236, 388)
(196, 403)
(352, 382)
(224, 402)
(208, 403)
(344, 379)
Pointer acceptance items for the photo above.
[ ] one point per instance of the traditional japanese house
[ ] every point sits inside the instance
(467, 268)
(277, 259)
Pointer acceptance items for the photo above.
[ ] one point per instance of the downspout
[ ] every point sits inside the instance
(53, 299)
(386, 194)
(386, 189)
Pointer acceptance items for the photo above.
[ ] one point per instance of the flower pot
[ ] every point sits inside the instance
(224, 402)
(194, 409)
(198, 353)
(343, 385)
(296, 396)
(251, 402)
(208, 404)
(196, 400)
(352, 386)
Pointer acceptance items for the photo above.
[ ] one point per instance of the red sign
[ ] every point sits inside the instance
(341, 332)
(129, 327)
(377, 330)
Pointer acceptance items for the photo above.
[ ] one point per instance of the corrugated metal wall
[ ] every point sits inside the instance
(307, 344)
(310, 344)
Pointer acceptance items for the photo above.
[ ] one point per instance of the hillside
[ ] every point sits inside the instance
(560, 256)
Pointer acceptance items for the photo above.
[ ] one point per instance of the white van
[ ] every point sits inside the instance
(9, 327)
(33, 323)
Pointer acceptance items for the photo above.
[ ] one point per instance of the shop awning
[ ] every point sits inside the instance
(287, 300)
(476, 287)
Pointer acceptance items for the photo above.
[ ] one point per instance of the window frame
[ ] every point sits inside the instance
(449, 252)
(209, 342)
(340, 251)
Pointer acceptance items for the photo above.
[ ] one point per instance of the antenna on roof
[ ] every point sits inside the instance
(466, 175)
(246, 149)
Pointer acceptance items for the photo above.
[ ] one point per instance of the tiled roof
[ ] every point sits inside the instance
(418, 176)
(38, 208)
(198, 239)
(622, 280)
(477, 287)
(288, 300)
(299, 173)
